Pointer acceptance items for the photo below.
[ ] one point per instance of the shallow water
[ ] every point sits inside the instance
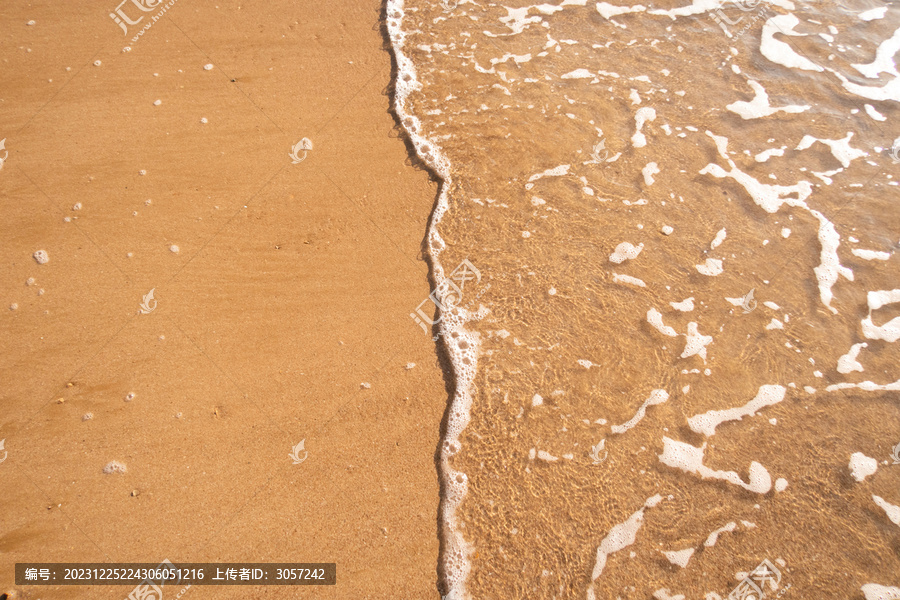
(619, 184)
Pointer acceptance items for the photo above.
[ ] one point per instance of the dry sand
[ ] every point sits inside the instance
(292, 286)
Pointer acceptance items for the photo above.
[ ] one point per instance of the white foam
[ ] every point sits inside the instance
(867, 386)
(706, 423)
(840, 149)
(696, 342)
(686, 305)
(679, 557)
(884, 59)
(663, 594)
(656, 397)
(767, 154)
(701, 6)
(781, 484)
(780, 52)
(711, 268)
(608, 10)
(41, 257)
(873, 14)
(625, 251)
(714, 536)
(771, 198)
(690, 460)
(621, 536)
(649, 171)
(775, 324)
(654, 317)
(554, 172)
(848, 363)
(861, 466)
(759, 107)
(639, 140)
(889, 91)
(890, 331)
(628, 279)
(462, 345)
(874, 591)
(893, 512)
(870, 254)
(578, 74)
(720, 237)
(546, 456)
(870, 110)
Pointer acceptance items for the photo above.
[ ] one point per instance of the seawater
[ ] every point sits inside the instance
(682, 360)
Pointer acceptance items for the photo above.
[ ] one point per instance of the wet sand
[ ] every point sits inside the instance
(291, 287)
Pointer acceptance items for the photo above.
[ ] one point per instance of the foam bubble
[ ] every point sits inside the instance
(861, 466)
(625, 251)
(41, 257)
(115, 466)
(706, 423)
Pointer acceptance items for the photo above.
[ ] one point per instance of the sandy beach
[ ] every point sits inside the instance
(280, 303)
(471, 300)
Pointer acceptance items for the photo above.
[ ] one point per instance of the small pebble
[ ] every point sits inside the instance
(29, 281)
(97, 63)
(142, 172)
(204, 121)
(667, 230)
(41, 257)
(13, 306)
(87, 416)
(147, 202)
(157, 102)
(174, 248)
(134, 493)
(30, 23)
(130, 255)
(76, 206)
(129, 396)
(410, 366)
(207, 67)
(365, 386)
(41, 292)
(60, 400)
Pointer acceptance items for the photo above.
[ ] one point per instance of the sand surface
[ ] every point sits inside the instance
(292, 286)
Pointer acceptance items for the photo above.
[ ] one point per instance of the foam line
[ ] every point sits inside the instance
(462, 346)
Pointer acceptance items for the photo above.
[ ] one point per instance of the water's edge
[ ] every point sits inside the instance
(461, 346)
